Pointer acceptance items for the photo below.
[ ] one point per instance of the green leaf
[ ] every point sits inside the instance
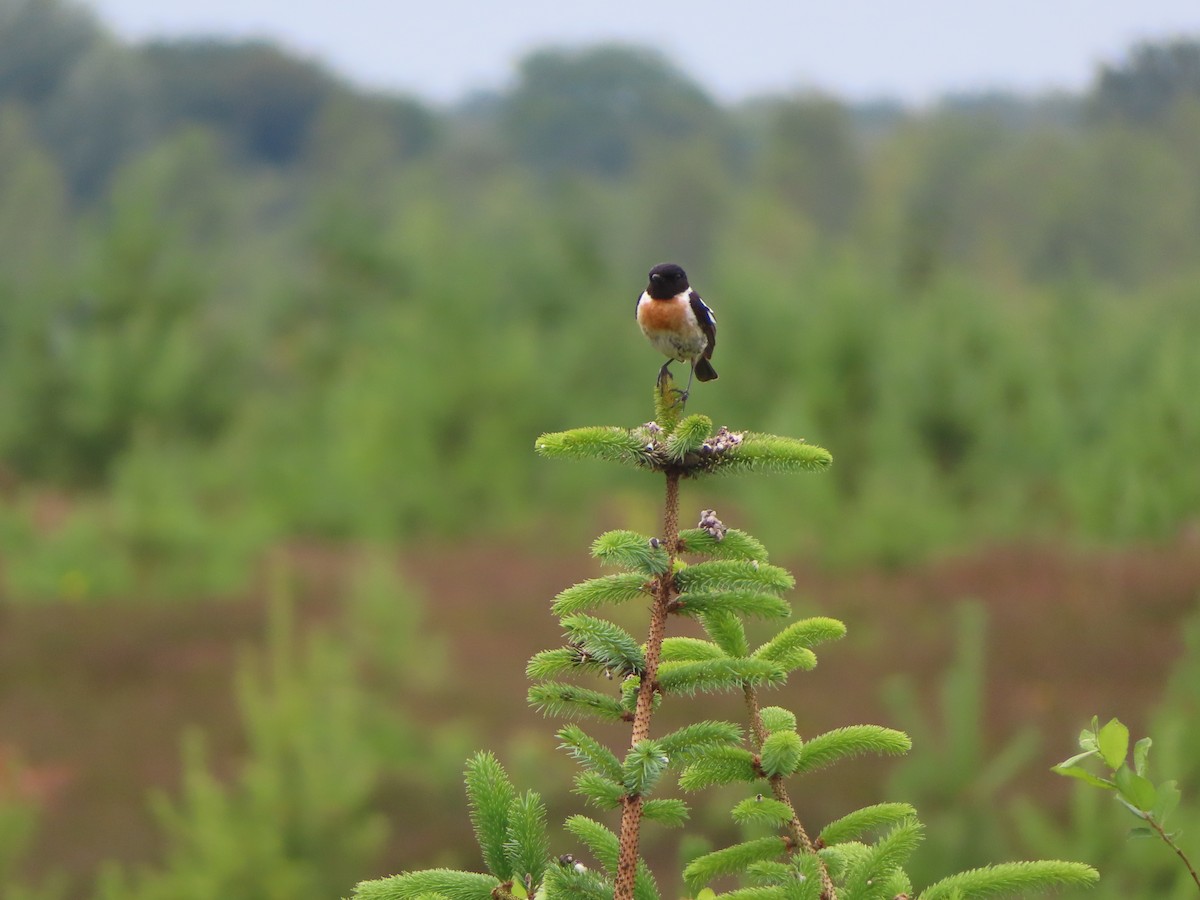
(490, 795)
(632, 551)
(776, 718)
(589, 752)
(1011, 878)
(781, 753)
(567, 881)
(527, 846)
(600, 591)
(669, 812)
(853, 740)
(610, 645)
(714, 675)
(730, 861)
(853, 825)
(868, 876)
(553, 698)
(644, 765)
(1141, 750)
(448, 883)
(750, 604)
(1138, 791)
(721, 765)
(691, 741)
(727, 630)
(1082, 774)
(736, 544)
(686, 649)
(1168, 799)
(799, 638)
(607, 443)
(772, 453)
(1087, 736)
(1141, 831)
(762, 809)
(1113, 743)
(598, 790)
(733, 575)
(605, 846)
(687, 437)
(559, 661)
(1075, 760)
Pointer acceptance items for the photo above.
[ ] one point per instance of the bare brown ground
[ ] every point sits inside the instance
(94, 700)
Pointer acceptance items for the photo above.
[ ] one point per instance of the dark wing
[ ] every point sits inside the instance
(637, 303)
(708, 322)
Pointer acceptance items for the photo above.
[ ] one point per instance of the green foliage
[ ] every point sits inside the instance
(1011, 878)
(565, 880)
(781, 753)
(631, 551)
(296, 817)
(608, 444)
(598, 790)
(1135, 791)
(743, 603)
(686, 649)
(589, 752)
(527, 845)
(731, 861)
(774, 454)
(665, 811)
(604, 846)
(733, 544)
(724, 627)
(644, 765)
(852, 825)
(733, 575)
(853, 740)
(557, 699)
(762, 809)
(871, 875)
(19, 820)
(688, 437)
(706, 753)
(715, 675)
(791, 648)
(959, 759)
(721, 765)
(491, 797)
(598, 592)
(265, 348)
(698, 739)
(776, 718)
(609, 645)
(440, 882)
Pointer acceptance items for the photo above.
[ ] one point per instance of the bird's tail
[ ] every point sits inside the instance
(705, 371)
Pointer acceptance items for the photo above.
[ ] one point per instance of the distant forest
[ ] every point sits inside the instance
(233, 284)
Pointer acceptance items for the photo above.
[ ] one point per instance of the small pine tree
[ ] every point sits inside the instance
(725, 580)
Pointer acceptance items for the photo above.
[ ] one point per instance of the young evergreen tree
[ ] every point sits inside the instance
(725, 580)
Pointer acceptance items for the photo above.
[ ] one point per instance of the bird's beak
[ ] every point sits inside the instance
(656, 277)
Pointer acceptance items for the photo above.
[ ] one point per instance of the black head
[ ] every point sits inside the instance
(666, 280)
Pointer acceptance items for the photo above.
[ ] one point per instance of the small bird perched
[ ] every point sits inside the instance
(678, 323)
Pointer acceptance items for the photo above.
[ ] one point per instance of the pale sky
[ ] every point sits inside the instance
(914, 51)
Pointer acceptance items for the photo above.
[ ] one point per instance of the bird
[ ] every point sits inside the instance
(678, 324)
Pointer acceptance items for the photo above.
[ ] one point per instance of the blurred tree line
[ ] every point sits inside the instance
(242, 298)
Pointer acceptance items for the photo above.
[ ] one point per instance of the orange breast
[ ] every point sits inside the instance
(662, 315)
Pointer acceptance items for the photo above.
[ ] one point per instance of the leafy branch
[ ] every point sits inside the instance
(1109, 745)
(720, 577)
